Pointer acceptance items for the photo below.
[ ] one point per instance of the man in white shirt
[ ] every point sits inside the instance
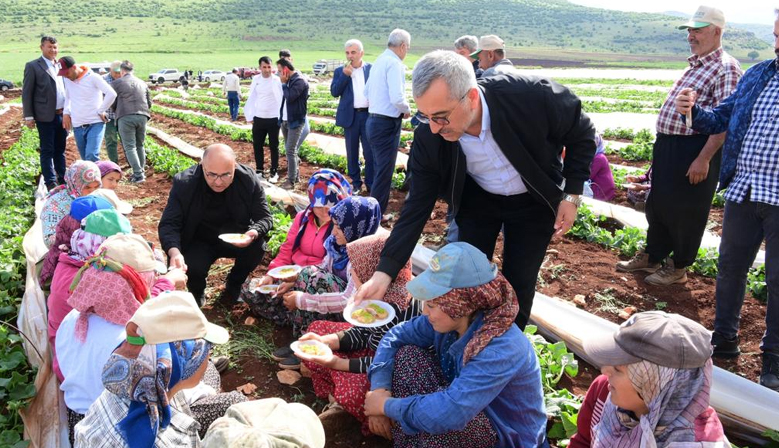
(349, 84)
(262, 110)
(87, 98)
(387, 107)
(232, 89)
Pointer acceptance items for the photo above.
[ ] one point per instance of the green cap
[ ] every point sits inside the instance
(107, 223)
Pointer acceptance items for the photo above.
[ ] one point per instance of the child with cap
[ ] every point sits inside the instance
(110, 174)
(482, 385)
(139, 407)
(654, 391)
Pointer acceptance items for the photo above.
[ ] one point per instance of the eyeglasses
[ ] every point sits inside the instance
(214, 176)
(440, 121)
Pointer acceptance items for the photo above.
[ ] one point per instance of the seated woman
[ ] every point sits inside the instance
(141, 406)
(81, 178)
(640, 191)
(98, 226)
(482, 374)
(655, 387)
(110, 174)
(342, 377)
(601, 178)
(304, 245)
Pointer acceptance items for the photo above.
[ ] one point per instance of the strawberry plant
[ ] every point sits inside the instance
(166, 160)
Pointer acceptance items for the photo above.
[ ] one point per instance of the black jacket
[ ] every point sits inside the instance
(182, 215)
(39, 91)
(532, 119)
(296, 98)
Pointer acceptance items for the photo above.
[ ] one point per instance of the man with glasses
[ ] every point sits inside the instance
(493, 150)
(215, 197)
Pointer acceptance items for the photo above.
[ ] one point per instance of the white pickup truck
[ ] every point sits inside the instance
(166, 74)
(324, 66)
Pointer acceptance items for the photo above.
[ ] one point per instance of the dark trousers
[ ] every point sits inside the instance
(354, 134)
(262, 127)
(676, 210)
(384, 136)
(233, 103)
(527, 228)
(52, 140)
(200, 255)
(743, 229)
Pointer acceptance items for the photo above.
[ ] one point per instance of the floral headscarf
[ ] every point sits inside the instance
(364, 255)
(144, 374)
(77, 176)
(499, 302)
(357, 217)
(84, 244)
(325, 189)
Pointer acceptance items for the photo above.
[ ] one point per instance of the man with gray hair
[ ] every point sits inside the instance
(111, 138)
(465, 46)
(491, 55)
(352, 115)
(387, 107)
(493, 150)
(133, 111)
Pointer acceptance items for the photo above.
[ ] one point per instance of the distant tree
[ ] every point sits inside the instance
(753, 55)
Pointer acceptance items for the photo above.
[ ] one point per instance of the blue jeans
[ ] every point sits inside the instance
(52, 140)
(233, 102)
(354, 134)
(89, 139)
(384, 135)
(743, 229)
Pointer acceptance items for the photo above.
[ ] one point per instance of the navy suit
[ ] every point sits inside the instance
(353, 121)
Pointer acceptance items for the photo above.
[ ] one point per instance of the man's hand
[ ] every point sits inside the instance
(66, 123)
(381, 426)
(253, 234)
(176, 259)
(566, 215)
(348, 69)
(178, 278)
(103, 117)
(291, 300)
(374, 288)
(699, 170)
(407, 115)
(685, 100)
(29, 123)
(374, 401)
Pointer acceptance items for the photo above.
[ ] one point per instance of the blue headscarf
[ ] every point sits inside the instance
(357, 217)
(325, 188)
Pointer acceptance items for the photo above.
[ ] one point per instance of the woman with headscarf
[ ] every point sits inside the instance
(81, 178)
(654, 391)
(481, 384)
(601, 178)
(342, 377)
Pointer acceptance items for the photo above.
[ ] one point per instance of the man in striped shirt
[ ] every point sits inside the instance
(685, 162)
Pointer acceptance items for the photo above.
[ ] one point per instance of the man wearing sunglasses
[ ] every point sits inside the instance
(493, 150)
(215, 197)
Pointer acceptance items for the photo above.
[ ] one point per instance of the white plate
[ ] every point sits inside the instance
(350, 308)
(295, 346)
(267, 289)
(233, 238)
(278, 274)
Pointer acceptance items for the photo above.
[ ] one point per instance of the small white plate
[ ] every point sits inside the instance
(234, 238)
(267, 289)
(350, 308)
(323, 348)
(283, 272)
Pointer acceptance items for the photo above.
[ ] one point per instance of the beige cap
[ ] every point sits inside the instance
(110, 195)
(489, 42)
(705, 16)
(174, 316)
(132, 250)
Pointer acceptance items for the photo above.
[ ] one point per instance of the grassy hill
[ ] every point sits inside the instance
(221, 33)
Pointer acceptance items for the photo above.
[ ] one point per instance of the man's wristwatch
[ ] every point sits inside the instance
(577, 201)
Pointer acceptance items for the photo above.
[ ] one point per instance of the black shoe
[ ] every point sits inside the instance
(769, 376)
(724, 348)
(229, 296)
(291, 363)
(280, 354)
(221, 363)
(51, 185)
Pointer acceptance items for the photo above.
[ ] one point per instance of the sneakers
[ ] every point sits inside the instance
(638, 263)
(769, 376)
(667, 275)
(139, 179)
(273, 178)
(723, 347)
(280, 354)
(291, 363)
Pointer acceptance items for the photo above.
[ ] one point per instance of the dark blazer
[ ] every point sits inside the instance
(342, 87)
(532, 119)
(39, 91)
(296, 97)
(182, 214)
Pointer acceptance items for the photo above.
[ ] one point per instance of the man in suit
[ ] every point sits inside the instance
(349, 84)
(43, 99)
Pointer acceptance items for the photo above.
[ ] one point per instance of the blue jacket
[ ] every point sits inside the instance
(503, 380)
(296, 98)
(734, 115)
(342, 87)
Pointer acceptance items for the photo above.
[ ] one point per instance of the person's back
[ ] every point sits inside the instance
(132, 96)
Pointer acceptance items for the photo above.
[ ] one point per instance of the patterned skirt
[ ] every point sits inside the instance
(211, 407)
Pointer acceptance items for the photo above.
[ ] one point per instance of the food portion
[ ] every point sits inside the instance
(312, 349)
(363, 316)
(234, 237)
(377, 311)
(287, 271)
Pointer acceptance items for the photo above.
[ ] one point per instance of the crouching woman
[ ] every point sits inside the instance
(480, 385)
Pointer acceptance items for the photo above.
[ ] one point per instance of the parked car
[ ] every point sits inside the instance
(213, 75)
(97, 66)
(5, 85)
(166, 74)
(324, 66)
(247, 72)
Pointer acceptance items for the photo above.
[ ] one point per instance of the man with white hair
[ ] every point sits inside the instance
(352, 115)
(465, 46)
(493, 150)
(685, 162)
(111, 138)
(387, 107)
(492, 56)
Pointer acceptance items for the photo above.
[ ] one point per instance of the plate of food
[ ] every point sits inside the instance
(234, 238)
(369, 313)
(310, 348)
(284, 272)
(267, 289)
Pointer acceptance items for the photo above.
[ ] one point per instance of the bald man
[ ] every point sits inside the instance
(215, 197)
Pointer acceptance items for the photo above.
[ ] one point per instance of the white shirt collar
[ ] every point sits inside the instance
(485, 119)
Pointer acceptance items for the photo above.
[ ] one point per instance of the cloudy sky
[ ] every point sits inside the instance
(748, 11)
